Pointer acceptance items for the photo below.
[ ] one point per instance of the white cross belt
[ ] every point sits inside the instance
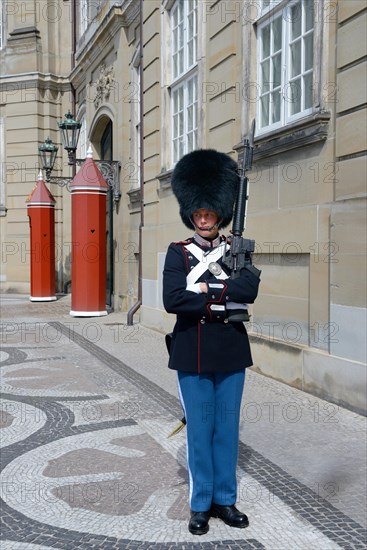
(203, 265)
(204, 261)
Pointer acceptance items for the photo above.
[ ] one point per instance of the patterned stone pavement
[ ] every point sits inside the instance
(87, 464)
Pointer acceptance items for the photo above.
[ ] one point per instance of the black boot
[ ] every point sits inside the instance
(230, 515)
(199, 523)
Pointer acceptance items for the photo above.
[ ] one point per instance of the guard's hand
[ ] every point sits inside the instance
(194, 287)
(204, 288)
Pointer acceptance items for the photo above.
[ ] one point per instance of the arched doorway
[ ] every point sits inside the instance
(106, 153)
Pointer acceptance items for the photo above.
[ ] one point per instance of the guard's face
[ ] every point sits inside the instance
(204, 221)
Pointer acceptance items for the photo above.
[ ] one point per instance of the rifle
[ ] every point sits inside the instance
(239, 255)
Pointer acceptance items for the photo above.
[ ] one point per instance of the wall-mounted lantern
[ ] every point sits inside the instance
(70, 130)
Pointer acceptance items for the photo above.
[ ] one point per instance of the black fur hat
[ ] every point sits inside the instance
(205, 178)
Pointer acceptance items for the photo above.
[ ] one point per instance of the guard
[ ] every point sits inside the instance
(209, 353)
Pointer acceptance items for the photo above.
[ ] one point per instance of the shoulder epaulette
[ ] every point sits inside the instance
(188, 241)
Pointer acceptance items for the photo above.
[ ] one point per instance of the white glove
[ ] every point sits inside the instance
(234, 305)
(194, 287)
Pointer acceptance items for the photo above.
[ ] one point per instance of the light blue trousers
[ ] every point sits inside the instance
(211, 403)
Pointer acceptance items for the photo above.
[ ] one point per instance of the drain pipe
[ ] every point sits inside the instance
(73, 91)
(137, 304)
(65, 284)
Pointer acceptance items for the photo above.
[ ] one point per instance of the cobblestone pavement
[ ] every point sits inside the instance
(87, 405)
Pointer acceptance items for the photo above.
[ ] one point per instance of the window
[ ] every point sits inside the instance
(267, 5)
(2, 25)
(184, 88)
(83, 16)
(2, 168)
(135, 151)
(136, 179)
(184, 116)
(184, 36)
(285, 65)
(83, 137)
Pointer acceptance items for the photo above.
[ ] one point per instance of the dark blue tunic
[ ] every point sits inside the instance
(201, 343)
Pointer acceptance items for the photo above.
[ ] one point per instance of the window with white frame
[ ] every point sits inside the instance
(83, 16)
(184, 88)
(136, 178)
(134, 167)
(83, 137)
(267, 5)
(2, 25)
(184, 118)
(285, 64)
(2, 167)
(89, 9)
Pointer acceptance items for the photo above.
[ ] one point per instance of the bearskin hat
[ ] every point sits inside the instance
(205, 178)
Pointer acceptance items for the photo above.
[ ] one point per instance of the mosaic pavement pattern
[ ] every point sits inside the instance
(86, 462)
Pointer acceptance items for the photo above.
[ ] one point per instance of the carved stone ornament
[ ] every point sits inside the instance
(104, 84)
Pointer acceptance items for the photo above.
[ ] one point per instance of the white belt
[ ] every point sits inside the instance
(204, 261)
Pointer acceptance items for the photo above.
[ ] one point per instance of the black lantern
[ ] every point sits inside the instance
(47, 152)
(70, 130)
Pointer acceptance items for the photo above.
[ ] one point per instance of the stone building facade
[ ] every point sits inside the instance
(155, 79)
